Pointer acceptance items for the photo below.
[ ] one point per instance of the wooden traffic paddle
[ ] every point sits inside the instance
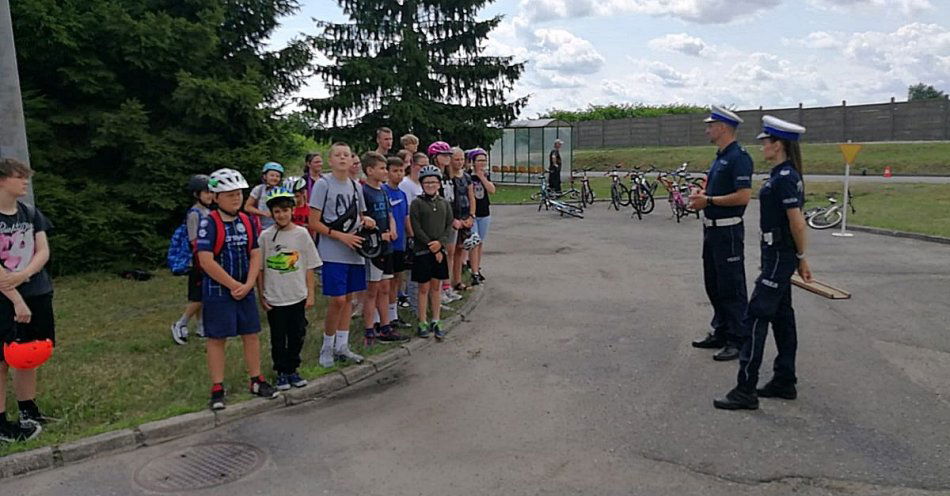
(821, 289)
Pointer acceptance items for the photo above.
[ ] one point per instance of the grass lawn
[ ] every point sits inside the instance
(920, 208)
(904, 158)
(116, 366)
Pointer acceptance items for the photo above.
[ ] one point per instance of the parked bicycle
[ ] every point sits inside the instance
(641, 192)
(679, 184)
(550, 200)
(619, 193)
(828, 216)
(587, 193)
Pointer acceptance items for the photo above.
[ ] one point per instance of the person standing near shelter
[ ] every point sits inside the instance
(728, 190)
(554, 167)
(784, 241)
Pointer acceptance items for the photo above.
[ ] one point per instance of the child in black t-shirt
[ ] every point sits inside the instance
(26, 304)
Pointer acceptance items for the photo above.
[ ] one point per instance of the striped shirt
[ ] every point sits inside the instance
(234, 258)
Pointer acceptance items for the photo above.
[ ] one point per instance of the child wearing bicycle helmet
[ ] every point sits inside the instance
(198, 189)
(26, 299)
(271, 175)
(286, 285)
(431, 219)
(298, 186)
(230, 257)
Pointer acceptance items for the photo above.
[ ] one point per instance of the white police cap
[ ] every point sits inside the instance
(721, 114)
(773, 127)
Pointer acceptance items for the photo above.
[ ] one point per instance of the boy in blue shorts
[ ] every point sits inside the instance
(337, 212)
(231, 260)
(400, 210)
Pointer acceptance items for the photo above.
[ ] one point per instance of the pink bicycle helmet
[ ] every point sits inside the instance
(439, 148)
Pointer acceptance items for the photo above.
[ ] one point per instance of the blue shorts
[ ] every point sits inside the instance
(225, 317)
(481, 226)
(341, 279)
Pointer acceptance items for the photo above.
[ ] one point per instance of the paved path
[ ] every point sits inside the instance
(575, 376)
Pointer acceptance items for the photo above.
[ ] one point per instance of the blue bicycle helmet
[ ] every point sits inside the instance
(273, 166)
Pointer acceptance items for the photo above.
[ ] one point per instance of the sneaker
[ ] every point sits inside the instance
(35, 417)
(479, 276)
(475, 281)
(403, 301)
(369, 337)
(326, 357)
(179, 333)
(423, 331)
(217, 398)
(454, 295)
(445, 296)
(283, 382)
(437, 330)
(389, 335)
(15, 432)
(346, 354)
(260, 387)
(400, 323)
(296, 381)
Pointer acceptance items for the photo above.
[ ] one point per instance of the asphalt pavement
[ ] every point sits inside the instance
(576, 376)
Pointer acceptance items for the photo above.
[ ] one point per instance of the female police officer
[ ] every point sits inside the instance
(783, 251)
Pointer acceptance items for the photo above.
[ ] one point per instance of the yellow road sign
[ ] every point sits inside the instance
(850, 152)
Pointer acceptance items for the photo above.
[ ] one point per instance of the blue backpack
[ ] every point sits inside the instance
(180, 250)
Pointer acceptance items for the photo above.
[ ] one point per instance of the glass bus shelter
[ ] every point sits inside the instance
(521, 154)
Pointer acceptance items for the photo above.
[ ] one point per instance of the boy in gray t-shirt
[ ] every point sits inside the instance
(337, 212)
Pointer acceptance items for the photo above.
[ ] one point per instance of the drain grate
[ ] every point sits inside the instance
(200, 466)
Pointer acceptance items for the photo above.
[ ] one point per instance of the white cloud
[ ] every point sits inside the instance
(552, 80)
(817, 39)
(562, 51)
(681, 42)
(914, 52)
(907, 7)
(698, 11)
(668, 75)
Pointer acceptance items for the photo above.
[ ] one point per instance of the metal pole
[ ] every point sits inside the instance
(12, 124)
(844, 211)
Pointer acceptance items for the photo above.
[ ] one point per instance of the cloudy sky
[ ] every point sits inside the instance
(745, 53)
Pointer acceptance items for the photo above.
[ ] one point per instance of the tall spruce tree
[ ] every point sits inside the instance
(414, 66)
(124, 99)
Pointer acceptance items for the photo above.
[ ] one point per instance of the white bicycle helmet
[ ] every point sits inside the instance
(224, 180)
(429, 171)
(295, 183)
(472, 241)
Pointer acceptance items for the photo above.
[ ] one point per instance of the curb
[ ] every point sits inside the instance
(902, 234)
(161, 431)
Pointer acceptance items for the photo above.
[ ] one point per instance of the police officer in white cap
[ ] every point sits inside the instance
(728, 190)
(783, 243)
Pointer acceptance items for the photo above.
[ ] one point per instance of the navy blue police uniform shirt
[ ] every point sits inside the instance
(783, 190)
(234, 257)
(729, 172)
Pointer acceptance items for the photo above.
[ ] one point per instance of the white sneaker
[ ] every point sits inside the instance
(446, 297)
(454, 295)
(349, 355)
(326, 357)
(180, 333)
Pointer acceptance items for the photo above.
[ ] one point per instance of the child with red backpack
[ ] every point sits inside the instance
(198, 188)
(230, 257)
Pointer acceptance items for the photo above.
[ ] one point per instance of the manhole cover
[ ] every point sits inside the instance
(200, 466)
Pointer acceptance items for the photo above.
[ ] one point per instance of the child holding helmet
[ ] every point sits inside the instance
(285, 285)
(26, 305)
(271, 176)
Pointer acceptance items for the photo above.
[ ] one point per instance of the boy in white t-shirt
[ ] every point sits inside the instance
(286, 285)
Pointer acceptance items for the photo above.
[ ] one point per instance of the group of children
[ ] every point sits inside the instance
(361, 229)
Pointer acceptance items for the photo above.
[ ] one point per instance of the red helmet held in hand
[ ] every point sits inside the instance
(27, 355)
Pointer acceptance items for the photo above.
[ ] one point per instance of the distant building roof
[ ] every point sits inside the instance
(539, 123)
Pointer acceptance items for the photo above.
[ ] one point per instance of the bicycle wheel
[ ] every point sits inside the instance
(647, 203)
(615, 197)
(573, 211)
(825, 219)
(587, 196)
(625, 196)
(635, 203)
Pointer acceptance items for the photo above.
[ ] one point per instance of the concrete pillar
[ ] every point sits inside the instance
(12, 124)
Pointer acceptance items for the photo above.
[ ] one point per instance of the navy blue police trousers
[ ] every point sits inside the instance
(724, 277)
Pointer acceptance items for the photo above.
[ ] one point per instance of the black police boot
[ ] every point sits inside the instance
(778, 390)
(709, 342)
(729, 352)
(737, 400)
